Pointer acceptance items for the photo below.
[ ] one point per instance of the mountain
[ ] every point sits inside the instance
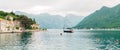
(53, 21)
(104, 18)
(72, 20)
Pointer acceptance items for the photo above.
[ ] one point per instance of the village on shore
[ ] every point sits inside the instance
(8, 24)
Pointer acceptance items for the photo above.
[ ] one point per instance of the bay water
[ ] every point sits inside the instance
(53, 40)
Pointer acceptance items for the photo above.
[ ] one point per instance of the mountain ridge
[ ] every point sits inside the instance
(104, 18)
(49, 21)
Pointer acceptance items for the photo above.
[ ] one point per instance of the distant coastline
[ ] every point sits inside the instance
(98, 29)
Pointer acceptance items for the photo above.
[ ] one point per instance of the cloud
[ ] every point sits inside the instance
(38, 9)
(62, 7)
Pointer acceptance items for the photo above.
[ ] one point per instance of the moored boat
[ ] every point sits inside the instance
(68, 30)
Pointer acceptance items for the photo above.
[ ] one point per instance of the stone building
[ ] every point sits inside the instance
(8, 25)
(35, 26)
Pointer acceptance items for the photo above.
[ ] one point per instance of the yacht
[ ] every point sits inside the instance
(68, 30)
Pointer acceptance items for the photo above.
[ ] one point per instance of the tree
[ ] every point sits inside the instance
(34, 20)
(25, 22)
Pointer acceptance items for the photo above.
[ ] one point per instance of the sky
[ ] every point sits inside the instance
(59, 7)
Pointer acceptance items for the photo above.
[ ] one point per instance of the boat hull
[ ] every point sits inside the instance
(68, 31)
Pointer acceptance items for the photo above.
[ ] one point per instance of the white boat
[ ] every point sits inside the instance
(68, 30)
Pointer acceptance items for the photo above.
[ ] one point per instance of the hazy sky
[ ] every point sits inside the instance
(62, 7)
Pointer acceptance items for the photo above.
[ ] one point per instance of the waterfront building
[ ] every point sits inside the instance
(9, 25)
(35, 26)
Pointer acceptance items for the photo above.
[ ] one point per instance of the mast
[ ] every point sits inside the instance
(63, 23)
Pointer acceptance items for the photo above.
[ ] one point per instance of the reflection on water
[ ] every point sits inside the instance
(14, 41)
(107, 40)
(52, 40)
(25, 39)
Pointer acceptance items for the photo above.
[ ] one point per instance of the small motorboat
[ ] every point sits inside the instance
(60, 33)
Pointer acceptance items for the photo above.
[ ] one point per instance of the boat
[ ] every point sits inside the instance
(68, 30)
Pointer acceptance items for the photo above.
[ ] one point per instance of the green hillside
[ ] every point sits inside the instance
(25, 21)
(104, 18)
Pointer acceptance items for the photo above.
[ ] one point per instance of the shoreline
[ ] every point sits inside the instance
(60, 29)
(98, 29)
(21, 31)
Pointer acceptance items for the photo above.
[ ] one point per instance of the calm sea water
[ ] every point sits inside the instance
(52, 40)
